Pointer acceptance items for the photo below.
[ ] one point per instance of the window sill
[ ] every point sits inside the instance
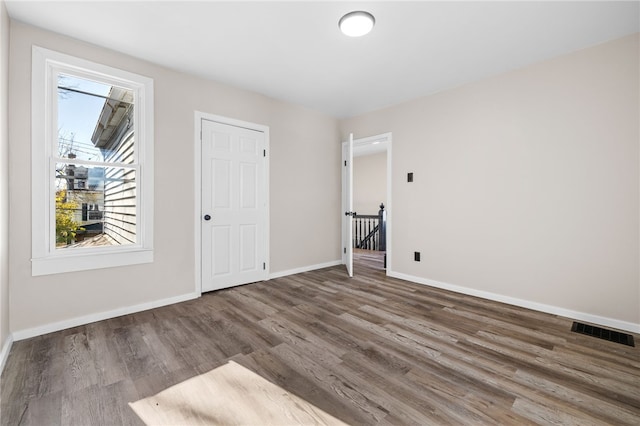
(88, 261)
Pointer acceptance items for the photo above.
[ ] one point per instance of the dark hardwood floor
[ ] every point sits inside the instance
(365, 350)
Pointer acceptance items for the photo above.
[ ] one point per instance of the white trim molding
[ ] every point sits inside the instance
(541, 307)
(47, 66)
(302, 269)
(88, 319)
(4, 354)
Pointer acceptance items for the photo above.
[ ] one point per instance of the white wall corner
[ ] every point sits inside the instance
(88, 319)
(4, 354)
(549, 309)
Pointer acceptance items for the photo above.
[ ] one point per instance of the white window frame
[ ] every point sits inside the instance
(46, 259)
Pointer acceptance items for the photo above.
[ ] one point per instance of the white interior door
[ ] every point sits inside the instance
(234, 211)
(347, 227)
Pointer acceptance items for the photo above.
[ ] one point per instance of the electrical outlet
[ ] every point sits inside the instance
(416, 256)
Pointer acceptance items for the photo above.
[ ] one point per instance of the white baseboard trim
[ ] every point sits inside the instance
(87, 319)
(304, 269)
(549, 309)
(4, 354)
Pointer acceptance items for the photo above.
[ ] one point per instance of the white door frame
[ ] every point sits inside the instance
(197, 184)
(372, 145)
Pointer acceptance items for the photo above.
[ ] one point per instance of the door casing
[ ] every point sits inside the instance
(197, 167)
(371, 144)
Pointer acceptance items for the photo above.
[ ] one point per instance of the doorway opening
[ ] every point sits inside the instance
(370, 223)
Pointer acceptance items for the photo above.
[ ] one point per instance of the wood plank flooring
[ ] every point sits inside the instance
(369, 258)
(365, 350)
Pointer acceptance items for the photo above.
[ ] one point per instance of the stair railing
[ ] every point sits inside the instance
(369, 231)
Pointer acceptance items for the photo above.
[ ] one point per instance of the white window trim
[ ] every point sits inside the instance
(45, 258)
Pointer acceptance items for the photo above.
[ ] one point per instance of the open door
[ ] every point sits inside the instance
(347, 196)
(355, 148)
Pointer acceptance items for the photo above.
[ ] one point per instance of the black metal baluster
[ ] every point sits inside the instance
(355, 233)
(373, 237)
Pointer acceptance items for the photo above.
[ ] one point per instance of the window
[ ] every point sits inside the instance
(92, 165)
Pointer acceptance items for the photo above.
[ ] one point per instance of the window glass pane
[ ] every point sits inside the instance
(95, 206)
(95, 121)
(120, 204)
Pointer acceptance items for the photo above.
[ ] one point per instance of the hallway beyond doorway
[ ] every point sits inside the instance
(371, 259)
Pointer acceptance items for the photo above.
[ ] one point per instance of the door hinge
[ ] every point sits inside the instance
(264, 266)
(345, 250)
(264, 152)
(345, 163)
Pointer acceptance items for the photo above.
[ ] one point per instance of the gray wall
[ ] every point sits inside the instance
(369, 183)
(526, 185)
(4, 177)
(304, 178)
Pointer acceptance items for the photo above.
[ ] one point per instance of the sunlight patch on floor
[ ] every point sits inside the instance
(229, 395)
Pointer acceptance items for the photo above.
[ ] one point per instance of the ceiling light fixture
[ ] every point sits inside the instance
(356, 24)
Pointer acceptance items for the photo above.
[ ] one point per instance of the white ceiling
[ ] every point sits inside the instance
(293, 51)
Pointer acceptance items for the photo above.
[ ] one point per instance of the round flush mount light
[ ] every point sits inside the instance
(356, 24)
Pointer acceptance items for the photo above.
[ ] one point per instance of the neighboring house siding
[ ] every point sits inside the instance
(120, 204)
(120, 196)
(89, 208)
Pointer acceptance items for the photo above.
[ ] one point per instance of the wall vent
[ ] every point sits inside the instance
(603, 333)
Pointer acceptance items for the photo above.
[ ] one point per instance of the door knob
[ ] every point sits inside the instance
(207, 217)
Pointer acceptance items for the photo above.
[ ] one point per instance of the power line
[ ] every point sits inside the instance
(64, 141)
(82, 92)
